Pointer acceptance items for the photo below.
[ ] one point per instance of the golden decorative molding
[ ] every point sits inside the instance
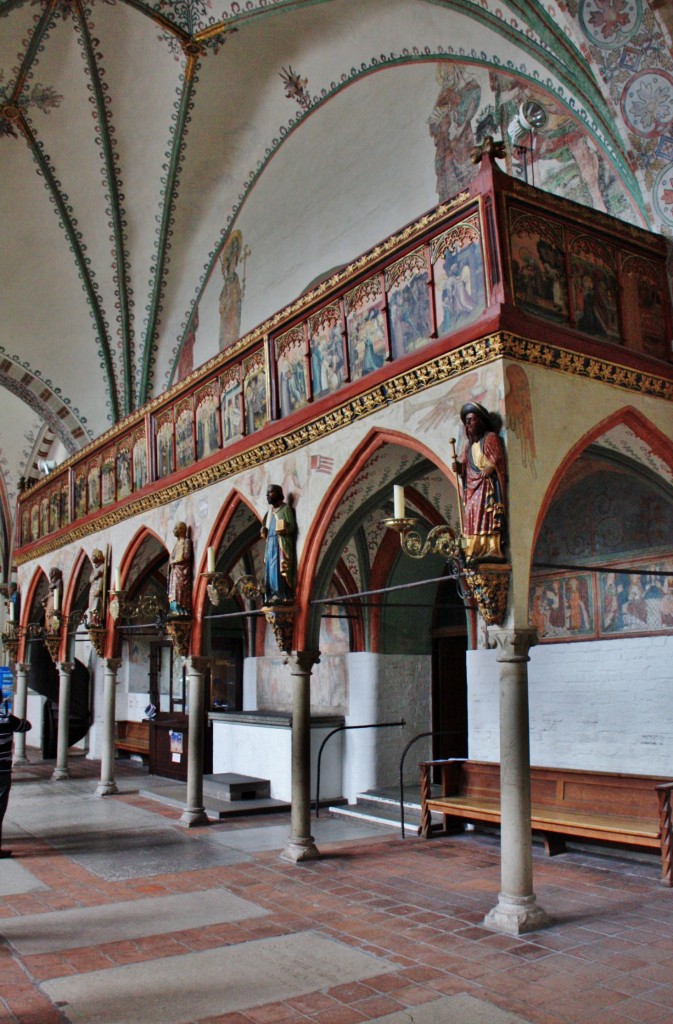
(501, 345)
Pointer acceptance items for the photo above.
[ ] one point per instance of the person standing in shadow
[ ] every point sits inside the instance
(9, 724)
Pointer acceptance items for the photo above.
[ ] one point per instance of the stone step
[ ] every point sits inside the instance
(176, 796)
(230, 786)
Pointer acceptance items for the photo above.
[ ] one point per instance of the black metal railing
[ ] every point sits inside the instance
(344, 728)
(415, 739)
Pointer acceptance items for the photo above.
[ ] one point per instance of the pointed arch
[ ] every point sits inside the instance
(234, 501)
(376, 439)
(628, 416)
(27, 607)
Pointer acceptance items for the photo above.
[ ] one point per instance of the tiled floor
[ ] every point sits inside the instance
(391, 926)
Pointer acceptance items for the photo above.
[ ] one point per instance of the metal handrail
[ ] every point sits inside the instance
(343, 728)
(420, 736)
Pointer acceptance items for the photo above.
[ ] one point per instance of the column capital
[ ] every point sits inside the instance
(65, 668)
(512, 644)
(302, 662)
(112, 665)
(21, 667)
(195, 665)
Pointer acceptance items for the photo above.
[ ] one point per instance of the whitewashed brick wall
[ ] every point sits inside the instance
(602, 705)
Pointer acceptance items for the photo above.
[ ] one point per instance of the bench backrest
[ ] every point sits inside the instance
(568, 788)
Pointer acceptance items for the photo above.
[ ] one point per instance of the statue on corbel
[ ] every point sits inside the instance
(97, 606)
(180, 579)
(481, 470)
(279, 530)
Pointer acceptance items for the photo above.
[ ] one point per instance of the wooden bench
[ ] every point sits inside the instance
(133, 737)
(634, 810)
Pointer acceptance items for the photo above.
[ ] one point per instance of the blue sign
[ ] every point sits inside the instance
(6, 687)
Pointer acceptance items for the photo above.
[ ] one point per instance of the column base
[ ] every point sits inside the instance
(107, 788)
(19, 761)
(298, 850)
(59, 774)
(515, 915)
(194, 816)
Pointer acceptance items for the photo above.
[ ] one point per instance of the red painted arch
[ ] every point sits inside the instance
(643, 428)
(28, 607)
(370, 444)
(232, 503)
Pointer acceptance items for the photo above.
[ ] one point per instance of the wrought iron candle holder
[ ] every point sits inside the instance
(486, 583)
(220, 587)
(11, 638)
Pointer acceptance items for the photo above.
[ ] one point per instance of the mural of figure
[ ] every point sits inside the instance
(577, 614)
(186, 356)
(279, 529)
(96, 607)
(451, 128)
(482, 471)
(231, 296)
(180, 573)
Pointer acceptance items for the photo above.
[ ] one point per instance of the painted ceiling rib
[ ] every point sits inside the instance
(32, 49)
(76, 245)
(116, 212)
(166, 218)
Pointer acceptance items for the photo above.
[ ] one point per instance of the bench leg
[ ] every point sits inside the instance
(553, 843)
(666, 837)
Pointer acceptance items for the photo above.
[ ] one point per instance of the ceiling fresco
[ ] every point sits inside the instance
(171, 173)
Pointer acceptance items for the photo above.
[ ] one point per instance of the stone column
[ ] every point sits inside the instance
(107, 785)
(20, 704)
(517, 910)
(62, 741)
(301, 845)
(194, 813)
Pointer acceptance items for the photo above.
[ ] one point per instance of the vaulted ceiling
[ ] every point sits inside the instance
(150, 151)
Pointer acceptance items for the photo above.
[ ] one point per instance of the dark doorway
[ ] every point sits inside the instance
(449, 674)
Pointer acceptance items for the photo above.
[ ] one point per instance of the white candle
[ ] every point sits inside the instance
(57, 599)
(398, 501)
(211, 559)
(11, 611)
(118, 580)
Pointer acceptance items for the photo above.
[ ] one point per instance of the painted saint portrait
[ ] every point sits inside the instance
(594, 285)
(164, 441)
(123, 472)
(642, 287)
(562, 607)
(231, 398)
(291, 359)
(459, 276)
(34, 521)
(539, 278)
(255, 395)
(44, 517)
(366, 328)
(65, 504)
(107, 479)
(207, 427)
(80, 495)
(93, 486)
(184, 434)
(55, 509)
(25, 527)
(139, 461)
(411, 318)
(326, 347)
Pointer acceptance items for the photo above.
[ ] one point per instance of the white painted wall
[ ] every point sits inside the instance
(265, 752)
(385, 688)
(603, 705)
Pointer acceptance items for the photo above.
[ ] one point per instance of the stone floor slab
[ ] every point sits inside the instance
(16, 879)
(185, 988)
(132, 919)
(458, 1009)
(275, 837)
(138, 853)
